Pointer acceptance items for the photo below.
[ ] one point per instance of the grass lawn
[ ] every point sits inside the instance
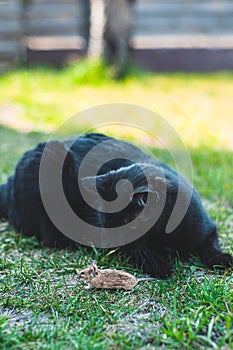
(42, 304)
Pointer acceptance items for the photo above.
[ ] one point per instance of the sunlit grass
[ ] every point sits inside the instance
(199, 106)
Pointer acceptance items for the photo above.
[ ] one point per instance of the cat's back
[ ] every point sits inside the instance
(110, 152)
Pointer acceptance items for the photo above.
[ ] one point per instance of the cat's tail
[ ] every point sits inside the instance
(4, 204)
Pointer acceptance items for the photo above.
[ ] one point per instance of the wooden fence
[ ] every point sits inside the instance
(55, 18)
(158, 23)
(10, 32)
(184, 16)
(163, 23)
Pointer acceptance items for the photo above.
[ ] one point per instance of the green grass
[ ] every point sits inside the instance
(198, 106)
(42, 304)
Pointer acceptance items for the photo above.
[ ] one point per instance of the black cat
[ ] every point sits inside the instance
(21, 203)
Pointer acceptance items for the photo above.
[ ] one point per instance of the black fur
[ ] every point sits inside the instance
(21, 204)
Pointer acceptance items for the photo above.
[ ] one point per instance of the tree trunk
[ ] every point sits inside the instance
(110, 30)
(96, 30)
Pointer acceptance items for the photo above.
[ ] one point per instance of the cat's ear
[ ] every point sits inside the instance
(57, 162)
(93, 187)
(89, 184)
(155, 185)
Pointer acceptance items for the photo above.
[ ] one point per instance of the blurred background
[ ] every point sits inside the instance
(174, 57)
(163, 35)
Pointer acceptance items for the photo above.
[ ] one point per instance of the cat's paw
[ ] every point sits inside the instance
(158, 268)
(152, 263)
(219, 260)
(165, 271)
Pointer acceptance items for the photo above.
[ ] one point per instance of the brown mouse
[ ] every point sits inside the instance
(108, 278)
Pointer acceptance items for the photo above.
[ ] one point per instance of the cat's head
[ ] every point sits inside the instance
(133, 194)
